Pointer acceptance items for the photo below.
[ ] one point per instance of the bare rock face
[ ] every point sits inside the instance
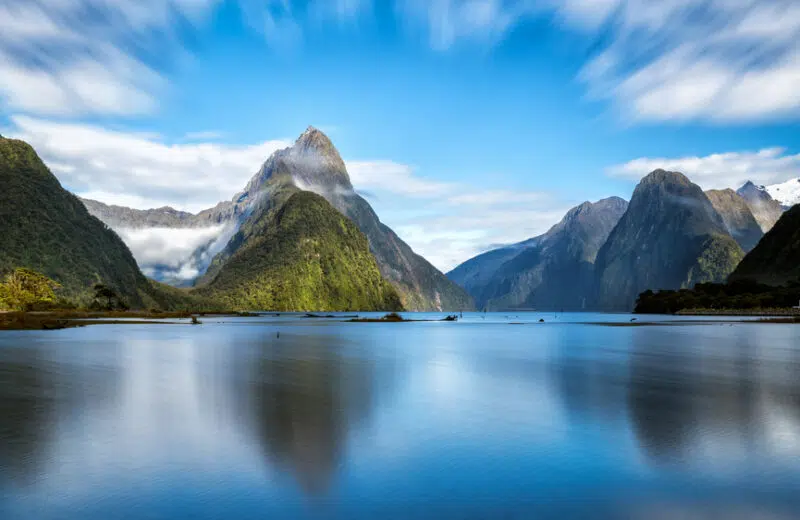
(737, 216)
(670, 237)
(765, 209)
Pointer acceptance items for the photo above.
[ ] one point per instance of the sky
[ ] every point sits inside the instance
(466, 123)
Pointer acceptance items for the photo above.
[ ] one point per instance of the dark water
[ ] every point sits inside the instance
(475, 420)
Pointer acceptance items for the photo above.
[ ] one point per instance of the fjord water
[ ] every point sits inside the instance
(284, 417)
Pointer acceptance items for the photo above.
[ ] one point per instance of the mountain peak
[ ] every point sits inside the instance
(663, 176)
(315, 139)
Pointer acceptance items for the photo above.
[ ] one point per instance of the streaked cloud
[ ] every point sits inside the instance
(722, 170)
(79, 57)
(723, 61)
(448, 21)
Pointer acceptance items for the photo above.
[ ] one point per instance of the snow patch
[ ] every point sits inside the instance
(787, 193)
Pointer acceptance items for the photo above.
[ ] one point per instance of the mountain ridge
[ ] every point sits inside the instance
(553, 271)
(669, 237)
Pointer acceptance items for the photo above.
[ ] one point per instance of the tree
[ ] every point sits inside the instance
(23, 289)
(109, 298)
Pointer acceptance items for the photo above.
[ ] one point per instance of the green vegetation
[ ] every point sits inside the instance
(776, 259)
(736, 295)
(25, 289)
(719, 256)
(303, 255)
(46, 229)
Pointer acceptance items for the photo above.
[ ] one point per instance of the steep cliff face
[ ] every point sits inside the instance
(670, 237)
(553, 271)
(765, 209)
(737, 216)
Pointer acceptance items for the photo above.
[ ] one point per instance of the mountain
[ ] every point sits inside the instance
(787, 193)
(313, 164)
(166, 217)
(765, 209)
(776, 259)
(737, 216)
(553, 271)
(46, 228)
(670, 237)
(302, 254)
(476, 274)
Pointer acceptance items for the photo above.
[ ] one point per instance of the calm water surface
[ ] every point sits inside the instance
(476, 419)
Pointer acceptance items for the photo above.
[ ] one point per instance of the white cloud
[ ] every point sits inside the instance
(452, 237)
(139, 170)
(393, 177)
(680, 60)
(657, 60)
(170, 248)
(75, 57)
(723, 170)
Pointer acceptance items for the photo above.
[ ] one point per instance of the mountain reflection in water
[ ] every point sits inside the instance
(426, 420)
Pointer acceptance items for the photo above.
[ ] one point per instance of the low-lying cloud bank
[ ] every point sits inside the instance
(178, 255)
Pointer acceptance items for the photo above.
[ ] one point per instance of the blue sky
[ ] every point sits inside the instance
(467, 122)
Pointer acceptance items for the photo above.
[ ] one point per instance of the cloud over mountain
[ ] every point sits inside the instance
(722, 170)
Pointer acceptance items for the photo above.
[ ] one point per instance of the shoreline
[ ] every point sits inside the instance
(766, 313)
(70, 319)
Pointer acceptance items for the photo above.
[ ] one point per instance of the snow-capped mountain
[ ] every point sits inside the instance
(787, 193)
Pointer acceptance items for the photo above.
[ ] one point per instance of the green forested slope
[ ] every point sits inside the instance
(776, 259)
(46, 228)
(301, 255)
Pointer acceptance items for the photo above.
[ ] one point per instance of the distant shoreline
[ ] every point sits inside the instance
(739, 312)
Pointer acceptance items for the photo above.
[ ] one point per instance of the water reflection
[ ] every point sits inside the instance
(305, 395)
(339, 421)
(712, 404)
(27, 409)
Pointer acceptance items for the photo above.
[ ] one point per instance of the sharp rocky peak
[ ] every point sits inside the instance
(314, 140)
(313, 163)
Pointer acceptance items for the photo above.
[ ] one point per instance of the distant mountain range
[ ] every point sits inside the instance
(672, 235)
(552, 270)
